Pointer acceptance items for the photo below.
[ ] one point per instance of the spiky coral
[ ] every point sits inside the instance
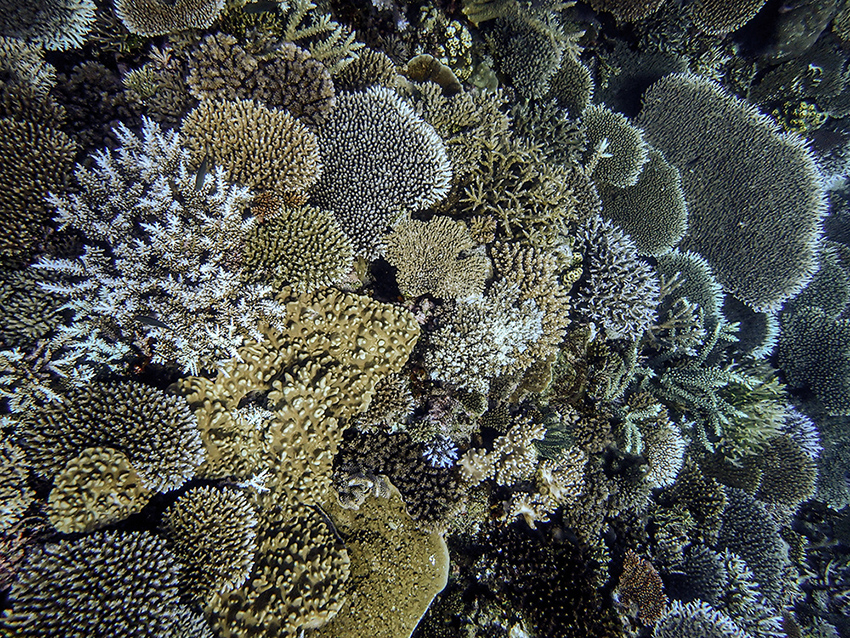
(172, 273)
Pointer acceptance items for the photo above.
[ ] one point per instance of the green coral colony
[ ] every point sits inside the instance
(427, 319)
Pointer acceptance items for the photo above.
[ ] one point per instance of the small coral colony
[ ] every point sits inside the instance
(430, 318)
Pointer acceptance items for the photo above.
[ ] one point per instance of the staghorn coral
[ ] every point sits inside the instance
(653, 211)
(299, 246)
(289, 78)
(159, 93)
(329, 42)
(715, 17)
(155, 430)
(436, 258)
(297, 582)
(172, 272)
(618, 292)
(158, 17)
(95, 488)
(616, 150)
(382, 161)
(754, 194)
(546, 124)
(640, 584)
(35, 160)
(258, 147)
(69, 589)
(213, 534)
(56, 25)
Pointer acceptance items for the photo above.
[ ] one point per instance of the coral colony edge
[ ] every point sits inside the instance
(425, 318)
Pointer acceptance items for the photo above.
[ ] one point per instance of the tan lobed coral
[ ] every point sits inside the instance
(95, 488)
(396, 570)
(159, 17)
(265, 149)
(212, 532)
(436, 258)
(301, 246)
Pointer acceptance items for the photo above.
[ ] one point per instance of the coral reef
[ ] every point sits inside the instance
(365, 134)
(754, 194)
(56, 25)
(616, 149)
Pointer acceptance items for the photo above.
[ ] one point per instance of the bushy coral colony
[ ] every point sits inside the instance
(425, 318)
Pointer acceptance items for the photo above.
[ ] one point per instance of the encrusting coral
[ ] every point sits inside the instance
(382, 161)
(754, 194)
(257, 147)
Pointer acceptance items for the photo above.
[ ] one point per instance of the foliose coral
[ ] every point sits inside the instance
(258, 147)
(754, 194)
(157, 17)
(69, 589)
(365, 134)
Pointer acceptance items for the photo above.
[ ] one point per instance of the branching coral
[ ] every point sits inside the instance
(618, 293)
(69, 589)
(221, 69)
(172, 272)
(35, 160)
(754, 194)
(155, 430)
(212, 532)
(258, 147)
(436, 258)
(381, 162)
(56, 25)
(300, 246)
(158, 17)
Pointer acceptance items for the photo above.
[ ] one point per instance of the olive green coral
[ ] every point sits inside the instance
(436, 258)
(213, 534)
(259, 147)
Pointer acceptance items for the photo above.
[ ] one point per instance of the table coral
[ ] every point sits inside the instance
(381, 162)
(158, 17)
